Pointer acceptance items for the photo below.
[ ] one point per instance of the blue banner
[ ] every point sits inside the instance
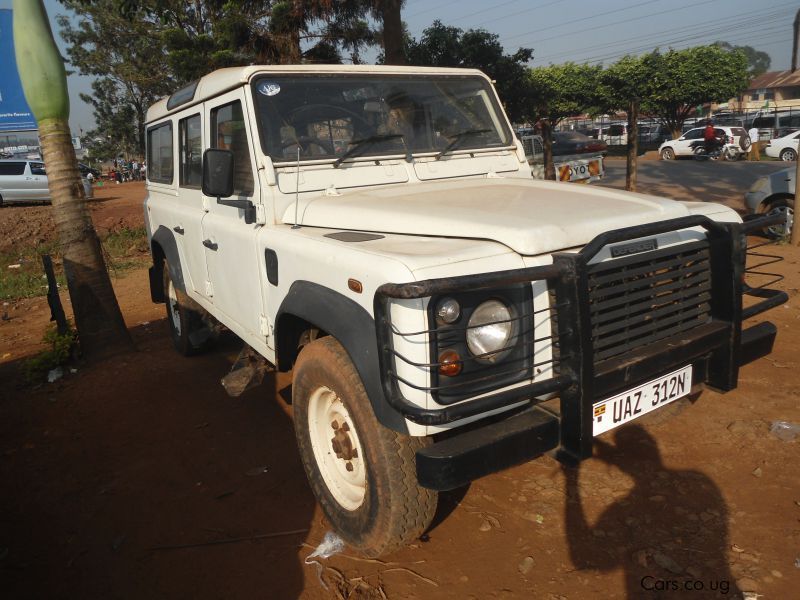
(14, 112)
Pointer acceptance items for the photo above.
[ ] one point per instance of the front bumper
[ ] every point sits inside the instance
(716, 350)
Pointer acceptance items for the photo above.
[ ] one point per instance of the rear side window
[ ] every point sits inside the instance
(693, 134)
(191, 152)
(12, 168)
(160, 163)
(616, 130)
(228, 132)
(37, 169)
(738, 131)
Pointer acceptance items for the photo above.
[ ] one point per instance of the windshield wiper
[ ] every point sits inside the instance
(460, 137)
(358, 146)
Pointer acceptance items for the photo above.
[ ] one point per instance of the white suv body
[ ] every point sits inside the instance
(683, 146)
(378, 231)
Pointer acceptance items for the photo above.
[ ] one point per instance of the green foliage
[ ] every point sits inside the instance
(58, 352)
(559, 91)
(444, 46)
(758, 62)
(679, 80)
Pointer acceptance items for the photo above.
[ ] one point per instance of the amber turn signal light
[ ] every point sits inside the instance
(449, 363)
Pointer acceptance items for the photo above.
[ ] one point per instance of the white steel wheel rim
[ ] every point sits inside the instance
(335, 443)
(174, 308)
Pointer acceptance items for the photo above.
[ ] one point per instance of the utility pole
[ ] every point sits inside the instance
(795, 239)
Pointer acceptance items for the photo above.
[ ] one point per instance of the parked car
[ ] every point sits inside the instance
(683, 146)
(784, 147)
(26, 181)
(572, 142)
(773, 195)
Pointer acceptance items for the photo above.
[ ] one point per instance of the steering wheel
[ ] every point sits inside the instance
(305, 141)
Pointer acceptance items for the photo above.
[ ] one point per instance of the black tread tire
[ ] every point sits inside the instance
(396, 509)
(788, 155)
(668, 154)
(192, 327)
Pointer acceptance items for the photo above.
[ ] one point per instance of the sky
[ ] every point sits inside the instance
(572, 30)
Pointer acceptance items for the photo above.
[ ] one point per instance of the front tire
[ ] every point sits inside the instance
(788, 155)
(667, 154)
(362, 474)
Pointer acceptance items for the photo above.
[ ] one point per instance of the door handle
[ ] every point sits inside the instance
(178, 229)
(210, 245)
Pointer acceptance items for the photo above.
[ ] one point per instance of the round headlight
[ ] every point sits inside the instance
(490, 329)
(448, 311)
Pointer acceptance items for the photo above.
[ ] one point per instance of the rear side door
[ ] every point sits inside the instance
(36, 181)
(683, 145)
(228, 238)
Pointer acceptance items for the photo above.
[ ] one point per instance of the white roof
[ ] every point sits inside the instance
(223, 80)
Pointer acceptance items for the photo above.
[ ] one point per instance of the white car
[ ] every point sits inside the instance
(683, 146)
(23, 181)
(784, 147)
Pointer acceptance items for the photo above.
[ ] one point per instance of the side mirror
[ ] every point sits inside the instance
(218, 173)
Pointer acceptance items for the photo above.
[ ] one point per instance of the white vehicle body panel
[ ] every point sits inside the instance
(473, 211)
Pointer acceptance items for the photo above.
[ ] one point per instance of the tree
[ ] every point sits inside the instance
(624, 86)
(101, 328)
(555, 92)
(128, 60)
(443, 46)
(758, 62)
(682, 79)
(388, 13)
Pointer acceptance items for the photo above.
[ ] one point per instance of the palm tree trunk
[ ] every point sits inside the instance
(98, 319)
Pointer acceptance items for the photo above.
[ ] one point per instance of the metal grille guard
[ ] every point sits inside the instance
(579, 379)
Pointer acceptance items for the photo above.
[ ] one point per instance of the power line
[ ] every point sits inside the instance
(478, 12)
(432, 8)
(529, 9)
(729, 22)
(616, 23)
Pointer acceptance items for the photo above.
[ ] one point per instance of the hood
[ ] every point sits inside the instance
(530, 217)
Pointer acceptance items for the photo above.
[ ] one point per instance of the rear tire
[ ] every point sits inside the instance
(362, 474)
(788, 155)
(667, 154)
(189, 334)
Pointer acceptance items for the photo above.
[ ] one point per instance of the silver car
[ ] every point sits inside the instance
(774, 195)
(23, 180)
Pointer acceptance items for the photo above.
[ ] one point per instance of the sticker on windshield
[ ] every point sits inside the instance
(269, 88)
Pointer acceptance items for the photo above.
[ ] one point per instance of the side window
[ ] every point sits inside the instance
(12, 168)
(694, 134)
(160, 163)
(191, 152)
(37, 168)
(228, 132)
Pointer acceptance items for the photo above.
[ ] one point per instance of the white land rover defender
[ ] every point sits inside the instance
(377, 230)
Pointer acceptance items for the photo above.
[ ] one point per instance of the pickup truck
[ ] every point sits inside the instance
(377, 231)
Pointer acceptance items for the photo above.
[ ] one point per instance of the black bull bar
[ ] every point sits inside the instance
(715, 348)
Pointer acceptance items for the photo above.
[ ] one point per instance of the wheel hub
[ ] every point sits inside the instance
(337, 448)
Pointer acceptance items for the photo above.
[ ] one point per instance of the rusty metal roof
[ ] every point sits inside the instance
(775, 79)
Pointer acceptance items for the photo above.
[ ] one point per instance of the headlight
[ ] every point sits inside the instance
(490, 329)
(448, 311)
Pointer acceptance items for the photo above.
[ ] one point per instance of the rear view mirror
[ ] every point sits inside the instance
(218, 173)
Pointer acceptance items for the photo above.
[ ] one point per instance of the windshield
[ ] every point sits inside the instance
(326, 116)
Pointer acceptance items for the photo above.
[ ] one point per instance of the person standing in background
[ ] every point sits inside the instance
(755, 145)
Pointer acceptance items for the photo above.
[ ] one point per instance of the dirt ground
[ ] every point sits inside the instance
(139, 478)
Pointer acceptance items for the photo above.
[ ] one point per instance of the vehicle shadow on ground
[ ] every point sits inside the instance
(139, 478)
(668, 534)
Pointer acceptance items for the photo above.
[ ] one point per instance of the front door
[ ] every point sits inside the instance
(230, 242)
